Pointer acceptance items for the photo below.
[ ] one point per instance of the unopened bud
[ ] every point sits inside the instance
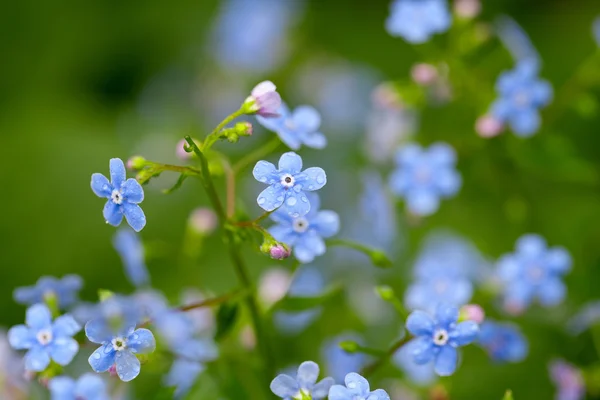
(349, 346)
(424, 74)
(243, 128)
(203, 220)
(488, 126)
(385, 292)
(472, 312)
(279, 252)
(467, 9)
(136, 163)
(264, 100)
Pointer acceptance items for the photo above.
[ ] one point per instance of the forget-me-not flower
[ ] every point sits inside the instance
(264, 100)
(426, 293)
(423, 176)
(503, 341)
(357, 388)
(305, 384)
(44, 339)
(130, 248)
(88, 387)
(297, 128)
(533, 271)
(118, 349)
(521, 95)
(287, 184)
(417, 20)
(64, 290)
(305, 234)
(438, 337)
(421, 374)
(123, 196)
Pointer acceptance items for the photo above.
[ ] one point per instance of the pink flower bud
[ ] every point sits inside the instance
(203, 220)
(487, 126)
(472, 312)
(424, 74)
(264, 100)
(467, 8)
(279, 252)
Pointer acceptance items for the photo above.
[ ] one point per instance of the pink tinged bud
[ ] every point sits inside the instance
(278, 252)
(266, 99)
(472, 312)
(203, 221)
(487, 126)
(467, 8)
(243, 128)
(424, 74)
(113, 370)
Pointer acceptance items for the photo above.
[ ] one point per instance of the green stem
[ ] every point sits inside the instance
(214, 135)
(215, 301)
(371, 368)
(238, 262)
(378, 257)
(158, 167)
(257, 154)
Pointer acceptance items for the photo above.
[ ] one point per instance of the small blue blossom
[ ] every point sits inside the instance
(45, 339)
(417, 20)
(64, 290)
(304, 385)
(424, 176)
(297, 128)
(521, 95)
(88, 387)
(357, 388)
(116, 311)
(533, 271)
(287, 184)
(426, 293)
(421, 374)
(305, 234)
(123, 196)
(339, 363)
(130, 248)
(503, 341)
(596, 30)
(436, 339)
(120, 349)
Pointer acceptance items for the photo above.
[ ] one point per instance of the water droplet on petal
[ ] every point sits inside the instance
(135, 336)
(310, 187)
(280, 198)
(263, 179)
(320, 179)
(351, 385)
(261, 200)
(295, 215)
(304, 199)
(97, 356)
(291, 201)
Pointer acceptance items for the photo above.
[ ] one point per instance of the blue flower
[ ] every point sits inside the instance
(357, 388)
(118, 349)
(533, 271)
(64, 290)
(305, 383)
(45, 339)
(521, 94)
(296, 128)
(421, 374)
(503, 341)
(88, 387)
(339, 362)
(426, 293)
(516, 40)
(424, 176)
(183, 375)
(596, 30)
(436, 339)
(123, 196)
(417, 20)
(131, 250)
(288, 184)
(305, 234)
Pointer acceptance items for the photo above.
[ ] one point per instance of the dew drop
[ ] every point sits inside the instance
(135, 336)
(320, 179)
(310, 187)
(304, 199)
(291, 201)
(261, 200)
(351, 385)
(295, 215)
(280, 198)
(96, 356)
(263, 179)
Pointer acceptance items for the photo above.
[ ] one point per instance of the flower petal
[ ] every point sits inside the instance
(97, 331)
(284, 386)
(135, 216)
(321, 389)
(296, 204)
(117, 172)
(531, 246)
(141, 341)
(275, 124)
(101, 186)
(303, 254)
(378, 394)
(37, 359)
(326, 223)
(112, 213)
(62, 387)
(63, 349)
(447, 181)
(339, 392)
(65, 325)
(446, 360)
(290, 162)
(420, 323)
(284, 234)
(20, 337)
(132, 191)
(313, 178)
(316, 140)
(309, 246)
(308, 373)
(446, 314)
(525, 123)
(265, 172)
(91, 387)
(271, 198)
(38, 317)
(128, 366)
(356, 384)
(422, 202)
(306, 118)
(441, 154)
(558, 260)
(465, 333)
(102, 358)
(551, 292)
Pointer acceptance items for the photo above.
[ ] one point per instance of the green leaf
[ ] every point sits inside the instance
(299, 303)
(226, 318)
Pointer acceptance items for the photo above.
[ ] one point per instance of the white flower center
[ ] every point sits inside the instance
(300, 225)
(44, 336)
(440, 337)
(287, 181)
(119, 343)
(116, 196)
(522, 99)
(536, 273)
(422, 174)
